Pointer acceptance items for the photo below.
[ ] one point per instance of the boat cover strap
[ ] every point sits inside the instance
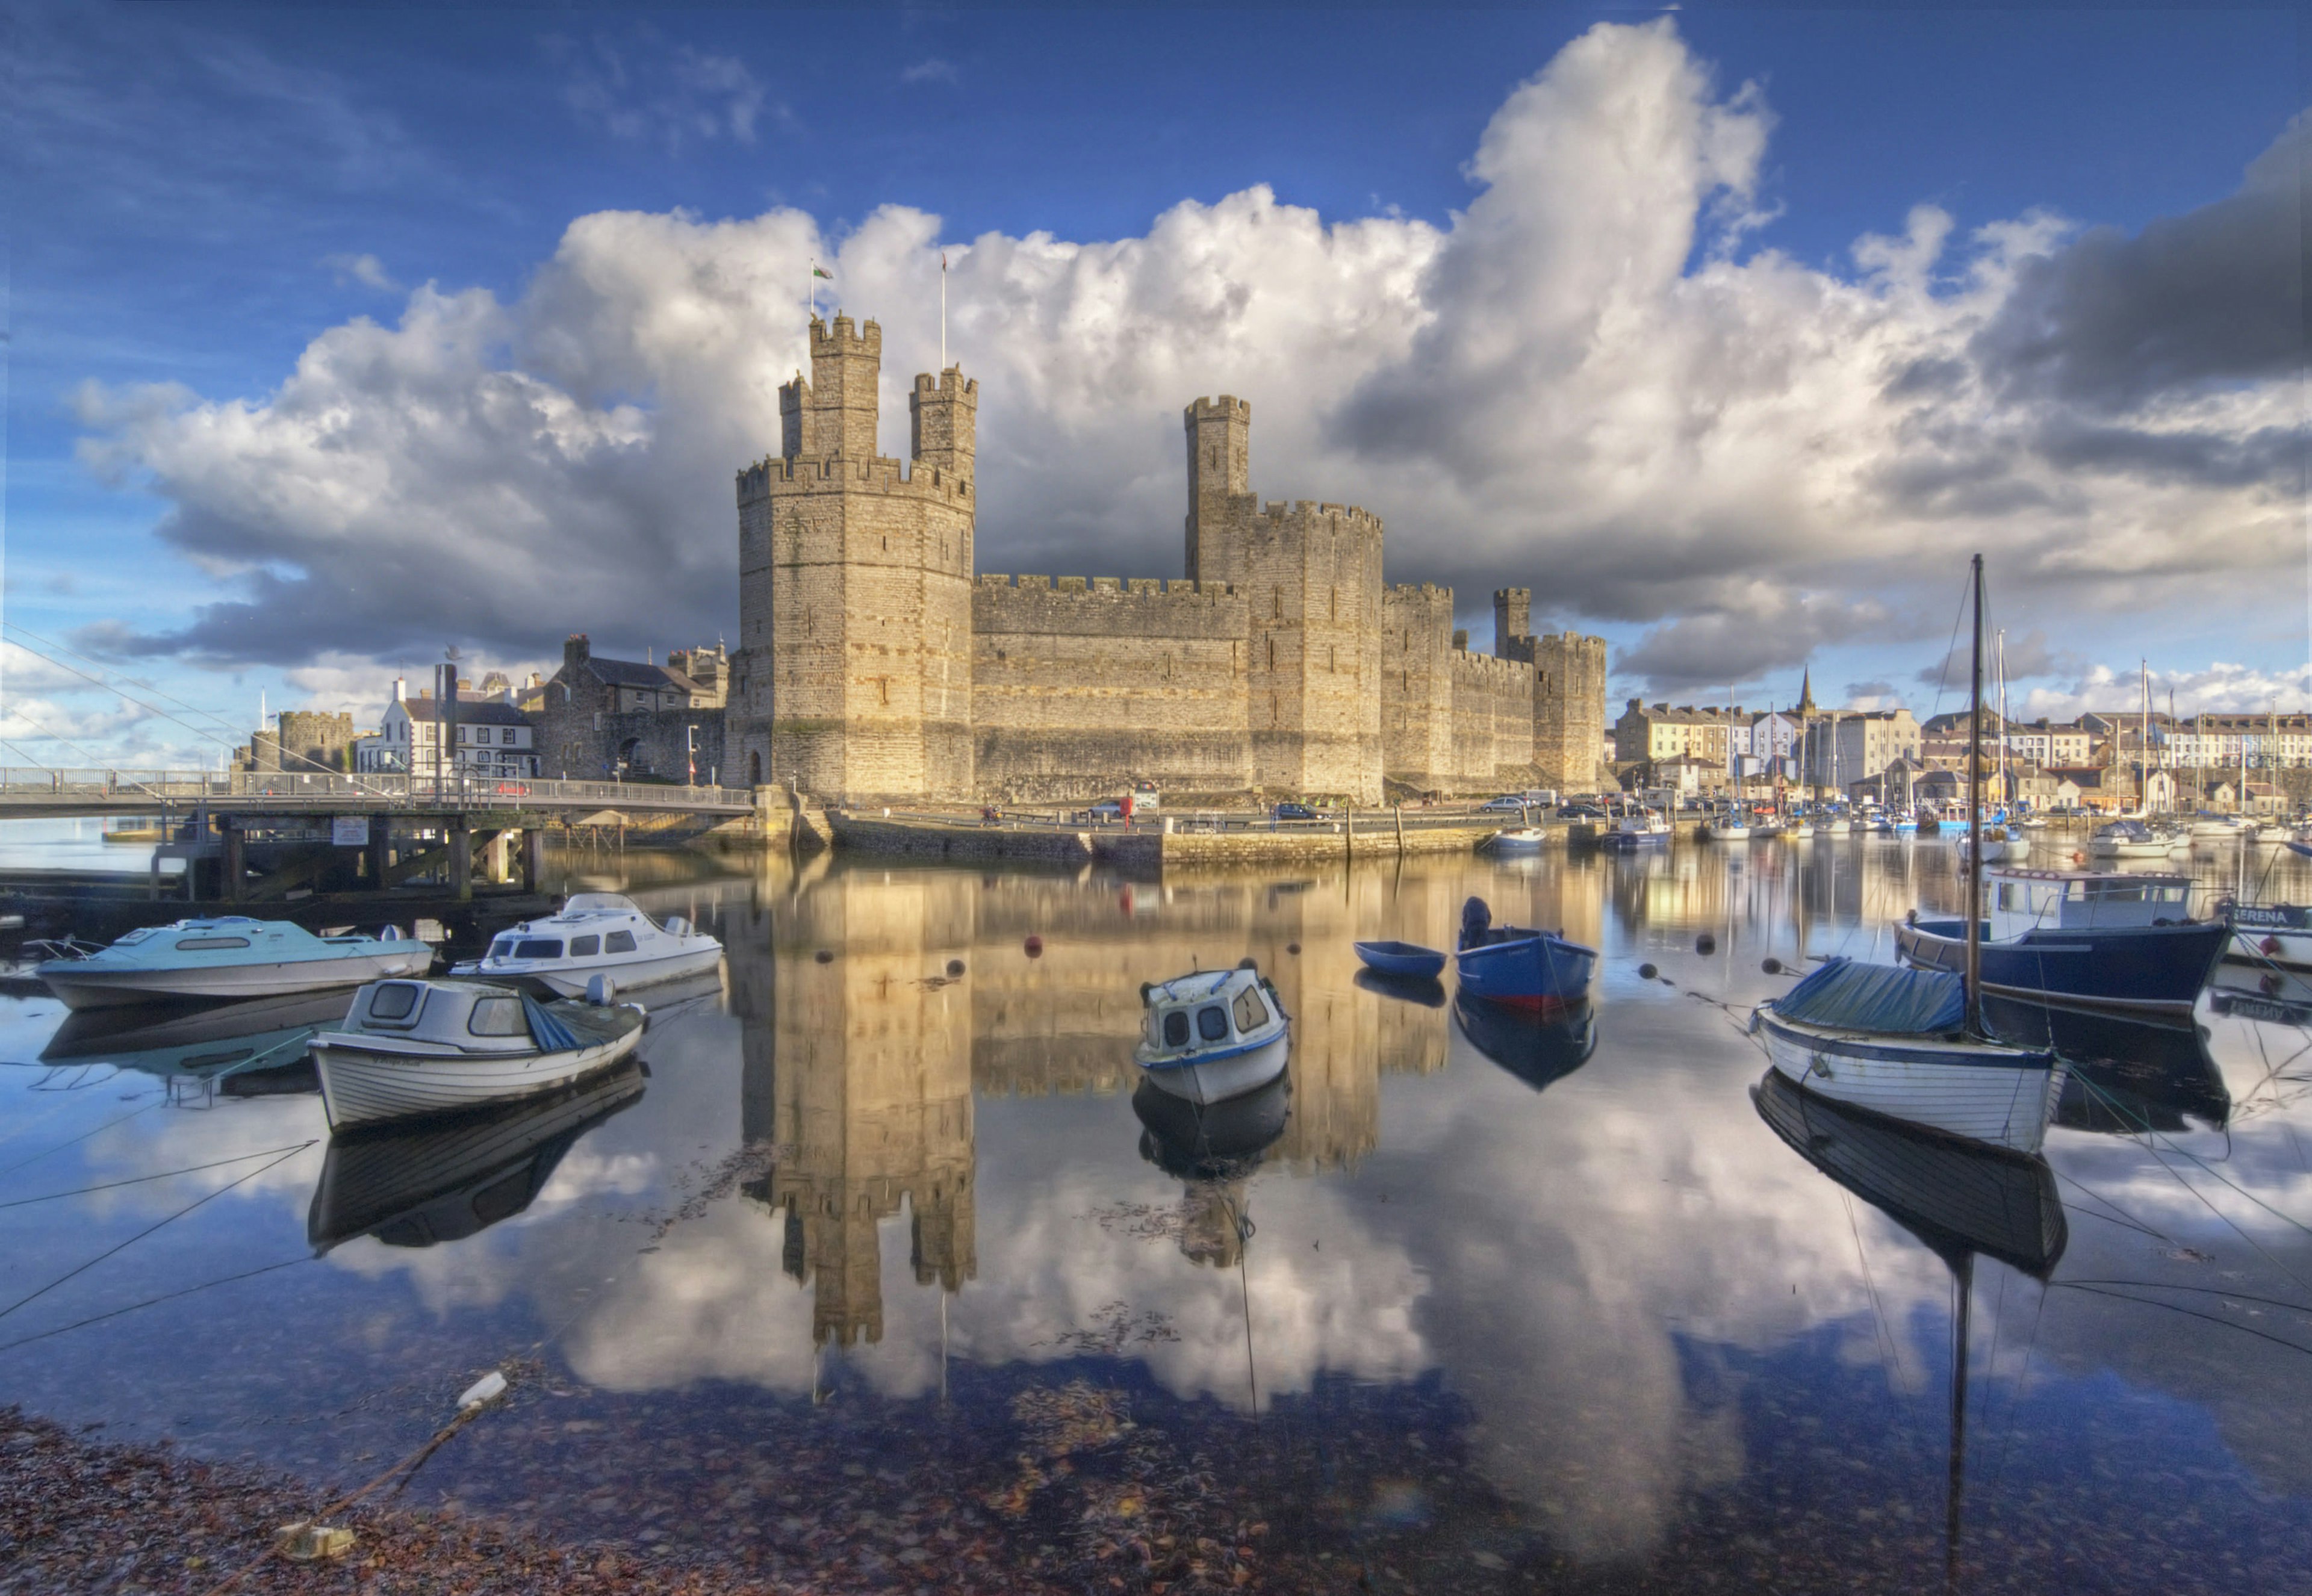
(1877, 997)
(549, 1033)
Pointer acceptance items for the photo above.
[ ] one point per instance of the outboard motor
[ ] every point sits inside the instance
(1477, 919)
(600, 990)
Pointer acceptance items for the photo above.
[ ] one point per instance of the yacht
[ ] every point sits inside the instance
(230, 957)
(596, 933)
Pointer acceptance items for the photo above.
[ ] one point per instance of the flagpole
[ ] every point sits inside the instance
(942, 309)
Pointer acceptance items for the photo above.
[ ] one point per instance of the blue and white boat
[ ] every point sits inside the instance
(1526, 969)
(1637, 829)
(1407, 960)
(1213, 1035)
(231, 957)
(2124, 942)
(2271, 936)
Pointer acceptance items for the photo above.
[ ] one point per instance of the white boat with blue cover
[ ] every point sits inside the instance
(1893, 1042)
(597, 934)
(1213, 1035)
(232, 956)
(412, 1048)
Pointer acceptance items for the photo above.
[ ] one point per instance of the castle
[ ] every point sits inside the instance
(874, 665)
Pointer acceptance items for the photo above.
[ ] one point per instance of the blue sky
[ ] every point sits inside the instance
(199, 195)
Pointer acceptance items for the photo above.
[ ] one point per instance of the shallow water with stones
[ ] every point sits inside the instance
(883, 1278)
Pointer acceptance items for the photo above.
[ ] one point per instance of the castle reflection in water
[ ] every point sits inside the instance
(863, 1054)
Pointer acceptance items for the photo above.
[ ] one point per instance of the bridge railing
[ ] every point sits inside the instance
(323, 790)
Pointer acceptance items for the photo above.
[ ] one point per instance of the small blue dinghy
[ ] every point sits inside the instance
(1402, 959)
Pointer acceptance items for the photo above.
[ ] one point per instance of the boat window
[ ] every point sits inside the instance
(1176, 1029)
(538, 947)
(1251, 1014)
(394, 1000)
(619, 941)
(497, 1016)
(1212, 1023)
(586, 947)
(200, 945)
(503, 948)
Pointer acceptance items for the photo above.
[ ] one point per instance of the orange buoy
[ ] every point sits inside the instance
(1034, 946)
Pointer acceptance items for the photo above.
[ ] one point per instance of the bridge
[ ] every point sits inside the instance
(40, 793)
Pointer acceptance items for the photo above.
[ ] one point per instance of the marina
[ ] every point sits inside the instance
(893, 1202)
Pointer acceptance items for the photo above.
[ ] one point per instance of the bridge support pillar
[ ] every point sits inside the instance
(381, 849)
(235, 885)
(493, 858)
(461, 859)
(533, 857)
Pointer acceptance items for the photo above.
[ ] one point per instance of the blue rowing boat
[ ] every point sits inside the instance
(1526, 969)
(1402, 959)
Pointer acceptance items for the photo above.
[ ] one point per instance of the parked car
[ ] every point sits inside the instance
(1507, 802)
(1107, 808)
(1580, 811)
(1295, 812)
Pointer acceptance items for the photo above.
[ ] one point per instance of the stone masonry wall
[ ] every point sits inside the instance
(1417, 686)
(1493, 719)
(1082, 688)
(1569, 710)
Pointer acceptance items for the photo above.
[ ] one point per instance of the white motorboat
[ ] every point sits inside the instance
(2127, 840)
(597, 934)
(410, 1049)
(230, 957)
(2216, 829)
(1834, 826)
(2002, 844)
(1520, 839)
(1213, 1035)
(1731, 826)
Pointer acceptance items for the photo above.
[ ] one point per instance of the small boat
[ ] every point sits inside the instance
(2000, 845)
(1213, 1035)
(2072, 936)
(1642, 828)
(1523, 968)
(1733, 826)
(2127, 840)
(596, 933)
(1895, 1042)
(1834, 825)
(410, 1049)
(1521, 839)
(1766, 826)
(416, 1185)
(1401, 959)
(2216, 829)
(1906, 825)
(229, 957)
(1537, 1049)
(2271, 834)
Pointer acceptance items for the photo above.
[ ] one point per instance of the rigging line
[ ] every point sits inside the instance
(132, 680)
(18, 711)
(2125, 1218)
(140, 1179)
(2207, 1291)
(2188, 1313)
(1880, 1336)
(1943, 682)
(2022, 1380)
(303, 1257)
(148, 1229)
(2253, 1245)
(2149, 1141)
(159, 1097)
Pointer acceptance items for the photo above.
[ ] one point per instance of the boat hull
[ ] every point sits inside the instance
(1217, 1080)
(1531, 972)
(1408, 960)
(2147, 969)
(1629, 842)
(86, 988)
(1998, 1096)
(2274, 937)
(570, 979)
(368, 1080)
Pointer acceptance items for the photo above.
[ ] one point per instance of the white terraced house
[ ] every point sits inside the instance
(492, 737)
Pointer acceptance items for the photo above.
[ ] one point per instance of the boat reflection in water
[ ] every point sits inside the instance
(419, 1185)
(1961, 1198)
(251, 1048)
(2125, 1076)
(1537, 1047)
(1213, 1149)
(1427, 991)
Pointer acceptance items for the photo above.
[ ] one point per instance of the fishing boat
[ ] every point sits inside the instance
(229, 957)
(2269, 935)
(2074, 936)
(1635, 829)
(2128, 839)
(1213, 1035)
(410, 1049)
(1409, 960)
(1909, 1043)
(416, 1186)
(1733, 826)
(596, 933)
(1537, 1049)
(1523, 968)
(1518, 839)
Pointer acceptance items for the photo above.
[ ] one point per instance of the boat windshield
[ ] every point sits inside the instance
(538, 947)
(584, 903)
(1251, 1014)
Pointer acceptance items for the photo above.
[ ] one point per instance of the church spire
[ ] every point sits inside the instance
(1806, 693)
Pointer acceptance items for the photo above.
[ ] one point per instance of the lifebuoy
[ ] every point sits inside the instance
(2268, 946)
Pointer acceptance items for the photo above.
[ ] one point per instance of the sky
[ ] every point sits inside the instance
(336, 337)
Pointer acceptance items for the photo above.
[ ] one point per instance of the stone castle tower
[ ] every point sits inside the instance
(1569, 692)
(859, 567)
(1311, 576)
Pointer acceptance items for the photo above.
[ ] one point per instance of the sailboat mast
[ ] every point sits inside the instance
(1975, 819)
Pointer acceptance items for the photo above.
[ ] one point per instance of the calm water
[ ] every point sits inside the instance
(881, 1272)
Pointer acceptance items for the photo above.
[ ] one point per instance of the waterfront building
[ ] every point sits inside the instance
(492, 738)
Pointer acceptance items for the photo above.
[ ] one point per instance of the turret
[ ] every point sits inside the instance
(1512, 619)
(944, 421)
(1219, 470)
(834, 412)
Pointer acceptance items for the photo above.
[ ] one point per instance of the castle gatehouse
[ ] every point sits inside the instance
(874, 665)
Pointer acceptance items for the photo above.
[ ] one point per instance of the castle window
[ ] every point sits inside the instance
(1272, 654)
(1336, 605)
(1278, 603)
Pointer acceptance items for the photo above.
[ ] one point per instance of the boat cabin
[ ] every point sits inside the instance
(459, 1015)
(1214, 1012)
(2022, 900)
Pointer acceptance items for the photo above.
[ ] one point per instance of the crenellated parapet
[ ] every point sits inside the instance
(881, 474)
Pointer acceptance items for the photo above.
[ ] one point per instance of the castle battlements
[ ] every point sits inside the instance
(881, 473)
